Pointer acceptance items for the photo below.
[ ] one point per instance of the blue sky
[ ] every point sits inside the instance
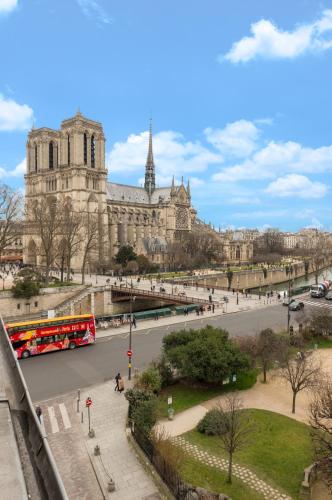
(239, 93)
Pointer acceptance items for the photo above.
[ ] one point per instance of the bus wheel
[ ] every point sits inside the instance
(72, 345)
(25, 354)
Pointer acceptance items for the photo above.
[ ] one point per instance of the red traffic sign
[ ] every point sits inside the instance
(88, 402)
(129, 353)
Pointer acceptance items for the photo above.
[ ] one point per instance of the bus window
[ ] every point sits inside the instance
(18, 344)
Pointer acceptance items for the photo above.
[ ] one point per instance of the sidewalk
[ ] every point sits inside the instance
(168, 321)
(85, 475)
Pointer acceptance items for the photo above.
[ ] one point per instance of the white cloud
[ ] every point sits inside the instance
(14, 116)
(18, 171)
(172, 155)
(93, 10)
(7, 5)
(297, 186)
(279, 158)
(236, 139)
(269, 42)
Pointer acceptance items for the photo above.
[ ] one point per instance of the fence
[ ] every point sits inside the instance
(171, 478)
(48, 477)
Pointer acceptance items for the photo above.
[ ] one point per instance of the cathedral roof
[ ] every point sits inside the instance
(135, 194)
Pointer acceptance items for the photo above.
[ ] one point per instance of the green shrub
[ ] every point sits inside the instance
(246, 380)
(211, 424)
(136, 397)
(145, 415)
(205, 355)
(166, 372)
(25, 289)
(150, 380)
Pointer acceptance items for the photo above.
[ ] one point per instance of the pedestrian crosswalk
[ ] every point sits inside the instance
(55, 418)
(318, 303)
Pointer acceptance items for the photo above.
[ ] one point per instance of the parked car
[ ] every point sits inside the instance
(296, 305)
(328, 296)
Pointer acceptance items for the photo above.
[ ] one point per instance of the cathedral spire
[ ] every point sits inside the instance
(188, 189)
(150, 177)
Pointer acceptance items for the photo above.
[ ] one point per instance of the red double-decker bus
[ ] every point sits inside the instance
(45, 335)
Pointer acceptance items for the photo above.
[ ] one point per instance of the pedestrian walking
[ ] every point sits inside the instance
(117, 378)
(213, 306)
(134, 321)
(39, 412)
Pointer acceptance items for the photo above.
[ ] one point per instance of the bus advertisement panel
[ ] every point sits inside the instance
(45, 335)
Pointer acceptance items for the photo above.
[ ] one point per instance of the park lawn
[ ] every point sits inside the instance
(214, 480)
(321, 344)
(185, 396)
(278, 452)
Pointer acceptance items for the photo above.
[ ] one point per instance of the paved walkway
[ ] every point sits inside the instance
(85, 475)
(242, 473)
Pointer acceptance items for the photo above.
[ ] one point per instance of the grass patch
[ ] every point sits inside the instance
(320, 343)
(278, 452)
(185, 396)
(214, 480)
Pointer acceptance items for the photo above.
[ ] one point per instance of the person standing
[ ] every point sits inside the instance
(117, 379)
(39, 413)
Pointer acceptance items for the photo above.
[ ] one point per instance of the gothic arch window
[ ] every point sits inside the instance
(51, 155)
(68, 149)
(36, 157)
(93, 151)
(85, 148)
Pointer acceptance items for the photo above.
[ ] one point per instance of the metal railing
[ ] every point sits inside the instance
(180, 489)
(19, 399)
(182, 299)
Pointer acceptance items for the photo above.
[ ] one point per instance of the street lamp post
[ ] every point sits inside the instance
(131, 300)
(288, 310)
(237, 292)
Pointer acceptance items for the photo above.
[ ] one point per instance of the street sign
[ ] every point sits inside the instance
(169, 400)
(88, 402)
(129, 353)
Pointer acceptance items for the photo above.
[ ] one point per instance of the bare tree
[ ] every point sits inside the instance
(265, 348)
(90, 239)
(47, 220)
(321, 423)
(71, 232)
(10, 214)
(235, 428)
(301, 372)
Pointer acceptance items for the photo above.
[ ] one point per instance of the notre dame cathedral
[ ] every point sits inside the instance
(70, 163)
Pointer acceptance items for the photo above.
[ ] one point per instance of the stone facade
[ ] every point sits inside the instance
(70, 163)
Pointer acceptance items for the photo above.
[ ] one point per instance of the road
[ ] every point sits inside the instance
(53, 374)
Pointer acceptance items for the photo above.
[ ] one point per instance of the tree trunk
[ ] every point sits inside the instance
(47, 274)
(293, 403)
(264, 373)
(68, 267)
(62, 268)
(230, 465)
(83, 269)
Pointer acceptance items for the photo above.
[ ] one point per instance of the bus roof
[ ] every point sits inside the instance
(48, 320)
